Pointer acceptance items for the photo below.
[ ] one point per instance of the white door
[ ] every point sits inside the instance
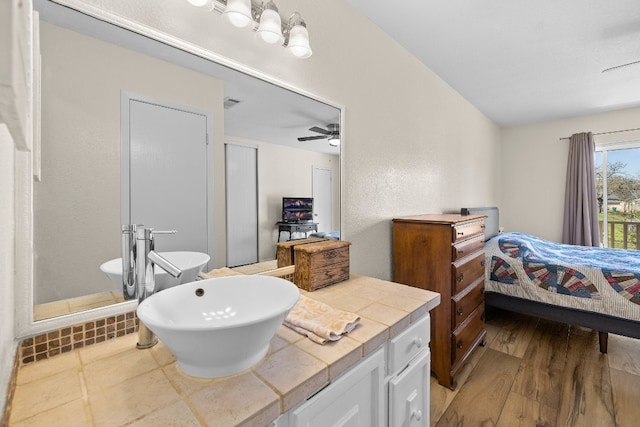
(167, 166)
(322, 199)
(241, 171)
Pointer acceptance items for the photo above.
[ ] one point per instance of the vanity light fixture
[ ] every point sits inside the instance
(264, 18)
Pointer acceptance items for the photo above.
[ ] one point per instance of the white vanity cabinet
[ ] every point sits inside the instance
(408, 365)
(388, 388)
(354, 399)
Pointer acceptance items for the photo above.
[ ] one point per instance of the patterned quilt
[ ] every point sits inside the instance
(601, 280)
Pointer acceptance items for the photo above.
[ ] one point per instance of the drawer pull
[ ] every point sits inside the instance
(460, 277)
(417, 415)
(418, 342)
(459, 344)
(460, 233)
(460, 311)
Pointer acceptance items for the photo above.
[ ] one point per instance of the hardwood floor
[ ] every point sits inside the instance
(534, 372)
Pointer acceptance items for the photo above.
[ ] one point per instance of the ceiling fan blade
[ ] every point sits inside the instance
(311, 138)
(320, 130)
(620, 66)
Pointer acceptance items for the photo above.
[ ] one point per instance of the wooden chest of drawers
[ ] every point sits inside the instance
(444, 253)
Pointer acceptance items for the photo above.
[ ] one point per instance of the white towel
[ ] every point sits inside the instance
(320, 322)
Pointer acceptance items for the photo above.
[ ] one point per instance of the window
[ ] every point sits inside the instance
(618, 191)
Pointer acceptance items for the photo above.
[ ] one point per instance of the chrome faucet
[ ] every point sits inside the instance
(129, 253)
(144, 282)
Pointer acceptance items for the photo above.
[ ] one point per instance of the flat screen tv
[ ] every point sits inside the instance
(297, 209)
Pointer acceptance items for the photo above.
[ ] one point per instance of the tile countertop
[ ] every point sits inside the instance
(115, 384)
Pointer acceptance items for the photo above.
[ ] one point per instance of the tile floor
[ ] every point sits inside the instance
(74, 305)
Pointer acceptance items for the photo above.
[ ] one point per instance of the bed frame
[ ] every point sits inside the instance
(602, 323)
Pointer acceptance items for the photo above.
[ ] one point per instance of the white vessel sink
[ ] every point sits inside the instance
(191, 263)
(221, 326)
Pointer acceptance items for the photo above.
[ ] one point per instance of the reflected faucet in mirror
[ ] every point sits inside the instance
(138, 278)
(129, 289)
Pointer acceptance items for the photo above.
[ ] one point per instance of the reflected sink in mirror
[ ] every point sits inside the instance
(191, 264)
(220, 326)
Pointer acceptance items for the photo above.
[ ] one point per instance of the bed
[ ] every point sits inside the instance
(597, 288)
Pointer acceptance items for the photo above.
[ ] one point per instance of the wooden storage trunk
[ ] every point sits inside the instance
(321, 264)
(284, 250)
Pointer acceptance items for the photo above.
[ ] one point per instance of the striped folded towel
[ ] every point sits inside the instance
(320, 322)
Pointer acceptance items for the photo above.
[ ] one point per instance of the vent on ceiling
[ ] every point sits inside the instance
(230, 102)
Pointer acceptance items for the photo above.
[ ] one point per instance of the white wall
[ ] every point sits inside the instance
(15, 145)
(7, 259)
(534, 162)
(411, 144)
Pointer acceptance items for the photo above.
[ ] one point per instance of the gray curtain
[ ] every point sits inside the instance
(580, 225)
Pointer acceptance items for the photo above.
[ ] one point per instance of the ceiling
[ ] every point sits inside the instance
(523, 61)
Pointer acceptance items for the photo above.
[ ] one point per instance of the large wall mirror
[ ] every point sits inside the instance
(88, 67)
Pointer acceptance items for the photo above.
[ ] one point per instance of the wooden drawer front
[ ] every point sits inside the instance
(310, 280)
(467, 247)
(466, 271)
(333, 256)
(464, 231)
(463, 338)
(409, 343)
(463, 304)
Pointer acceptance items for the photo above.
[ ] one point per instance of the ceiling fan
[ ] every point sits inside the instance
(332, 133)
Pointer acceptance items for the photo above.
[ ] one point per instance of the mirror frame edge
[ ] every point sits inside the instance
(25, 325)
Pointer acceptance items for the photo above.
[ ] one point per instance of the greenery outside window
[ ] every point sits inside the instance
(618, 191)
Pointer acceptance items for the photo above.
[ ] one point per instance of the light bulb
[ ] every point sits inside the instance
(238, 14)
(299, 42)
(270, 28)
(198, 3)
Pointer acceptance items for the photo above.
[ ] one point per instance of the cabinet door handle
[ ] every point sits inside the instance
(460, 311)
(459, 344)
(482, 263)
(417, 415)
(460, 277)
(417, 341)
